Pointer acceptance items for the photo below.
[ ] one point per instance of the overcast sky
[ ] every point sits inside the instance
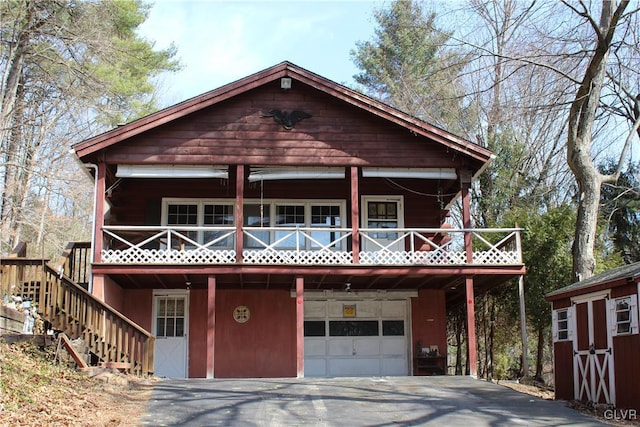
(221, 41)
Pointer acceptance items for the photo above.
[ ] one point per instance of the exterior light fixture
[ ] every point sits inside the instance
(285, 83)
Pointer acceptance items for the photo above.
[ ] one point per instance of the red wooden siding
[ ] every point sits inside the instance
(234, 132)
(428, 320)
(198, 333)
(626, 350)
(137, 305)
(138, 201)
(265, 346)
(563, 362)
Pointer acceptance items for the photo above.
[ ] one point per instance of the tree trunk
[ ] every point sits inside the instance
(540, 355)
(579, 141)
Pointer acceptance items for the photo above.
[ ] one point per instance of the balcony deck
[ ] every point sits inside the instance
(318, 246)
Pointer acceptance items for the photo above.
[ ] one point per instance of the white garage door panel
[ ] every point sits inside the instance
(354, 367)
(351, 350)
(315, 309)
(313, 347)
(395, 366)
(315, 368)
(393, 309)
(340, 347)
(394, 346)
(366, 346)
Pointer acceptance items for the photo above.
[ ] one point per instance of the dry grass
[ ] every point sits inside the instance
(36, 392)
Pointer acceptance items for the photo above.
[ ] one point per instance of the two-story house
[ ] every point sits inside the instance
(285, 225)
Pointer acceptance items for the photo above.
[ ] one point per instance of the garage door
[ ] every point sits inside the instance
(355, 338)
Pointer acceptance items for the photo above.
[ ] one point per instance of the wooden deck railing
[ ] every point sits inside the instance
(76, 262)
(71, 309)
(310, 245)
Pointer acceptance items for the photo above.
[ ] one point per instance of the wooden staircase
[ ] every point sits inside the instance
(71, 309)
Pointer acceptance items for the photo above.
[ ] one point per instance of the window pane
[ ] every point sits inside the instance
(324, 216)
(624, 328)
(179, 327)
(314, 328)
(563, 335)
(622, 305)
(562, 325)
(218, 215)
(171, 307)
(180, 307)
(353, 328)
(562, 315)
(182, 215)
(162, 307)
(160, 327)
(256, 216)
(289, 215)
(393, 328)
(170, 331)
(623, 316)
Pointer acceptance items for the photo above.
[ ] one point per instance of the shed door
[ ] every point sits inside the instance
(593, 352)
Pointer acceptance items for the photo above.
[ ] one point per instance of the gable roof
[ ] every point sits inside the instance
(629, 271)
(284, 69)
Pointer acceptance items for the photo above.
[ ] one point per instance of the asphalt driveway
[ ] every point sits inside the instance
(388, 401)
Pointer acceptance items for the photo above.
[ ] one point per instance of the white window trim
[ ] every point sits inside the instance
(633, 313)
(270, 208)
(570, 323)
(382, 198)
(199, 202)
(268, 204)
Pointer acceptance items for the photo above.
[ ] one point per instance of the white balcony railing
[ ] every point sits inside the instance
(308, 246)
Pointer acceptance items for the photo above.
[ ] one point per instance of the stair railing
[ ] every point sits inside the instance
(69, 308)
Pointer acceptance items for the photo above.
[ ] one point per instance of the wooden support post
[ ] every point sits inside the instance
(355, 215)
(300, 326)
(98, 243)
(211, 325)
(523, 328)
(465, 185)
(97, 289)
(239, 212)
(471, 328)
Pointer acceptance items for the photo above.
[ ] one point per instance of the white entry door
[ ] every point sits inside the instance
(170, 328)
(382, 212)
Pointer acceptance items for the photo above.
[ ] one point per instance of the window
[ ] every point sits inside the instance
(170, 318)
(324, 216)
(314, 328)
(196, 214)
(218, 215)
(562, 324)
(272, 214)
(289, 216)
(625, 315)
(354, 328)
(393, 328)
(382, 215)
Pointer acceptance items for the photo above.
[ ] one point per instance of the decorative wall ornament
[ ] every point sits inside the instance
(286, 119)
(241, 314)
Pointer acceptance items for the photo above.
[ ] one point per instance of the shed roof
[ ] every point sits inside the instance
(284, 69)
(629, 271)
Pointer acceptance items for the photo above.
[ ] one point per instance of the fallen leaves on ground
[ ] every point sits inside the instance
(34, 391)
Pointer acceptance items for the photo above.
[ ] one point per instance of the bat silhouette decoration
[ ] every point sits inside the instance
(287, 120)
